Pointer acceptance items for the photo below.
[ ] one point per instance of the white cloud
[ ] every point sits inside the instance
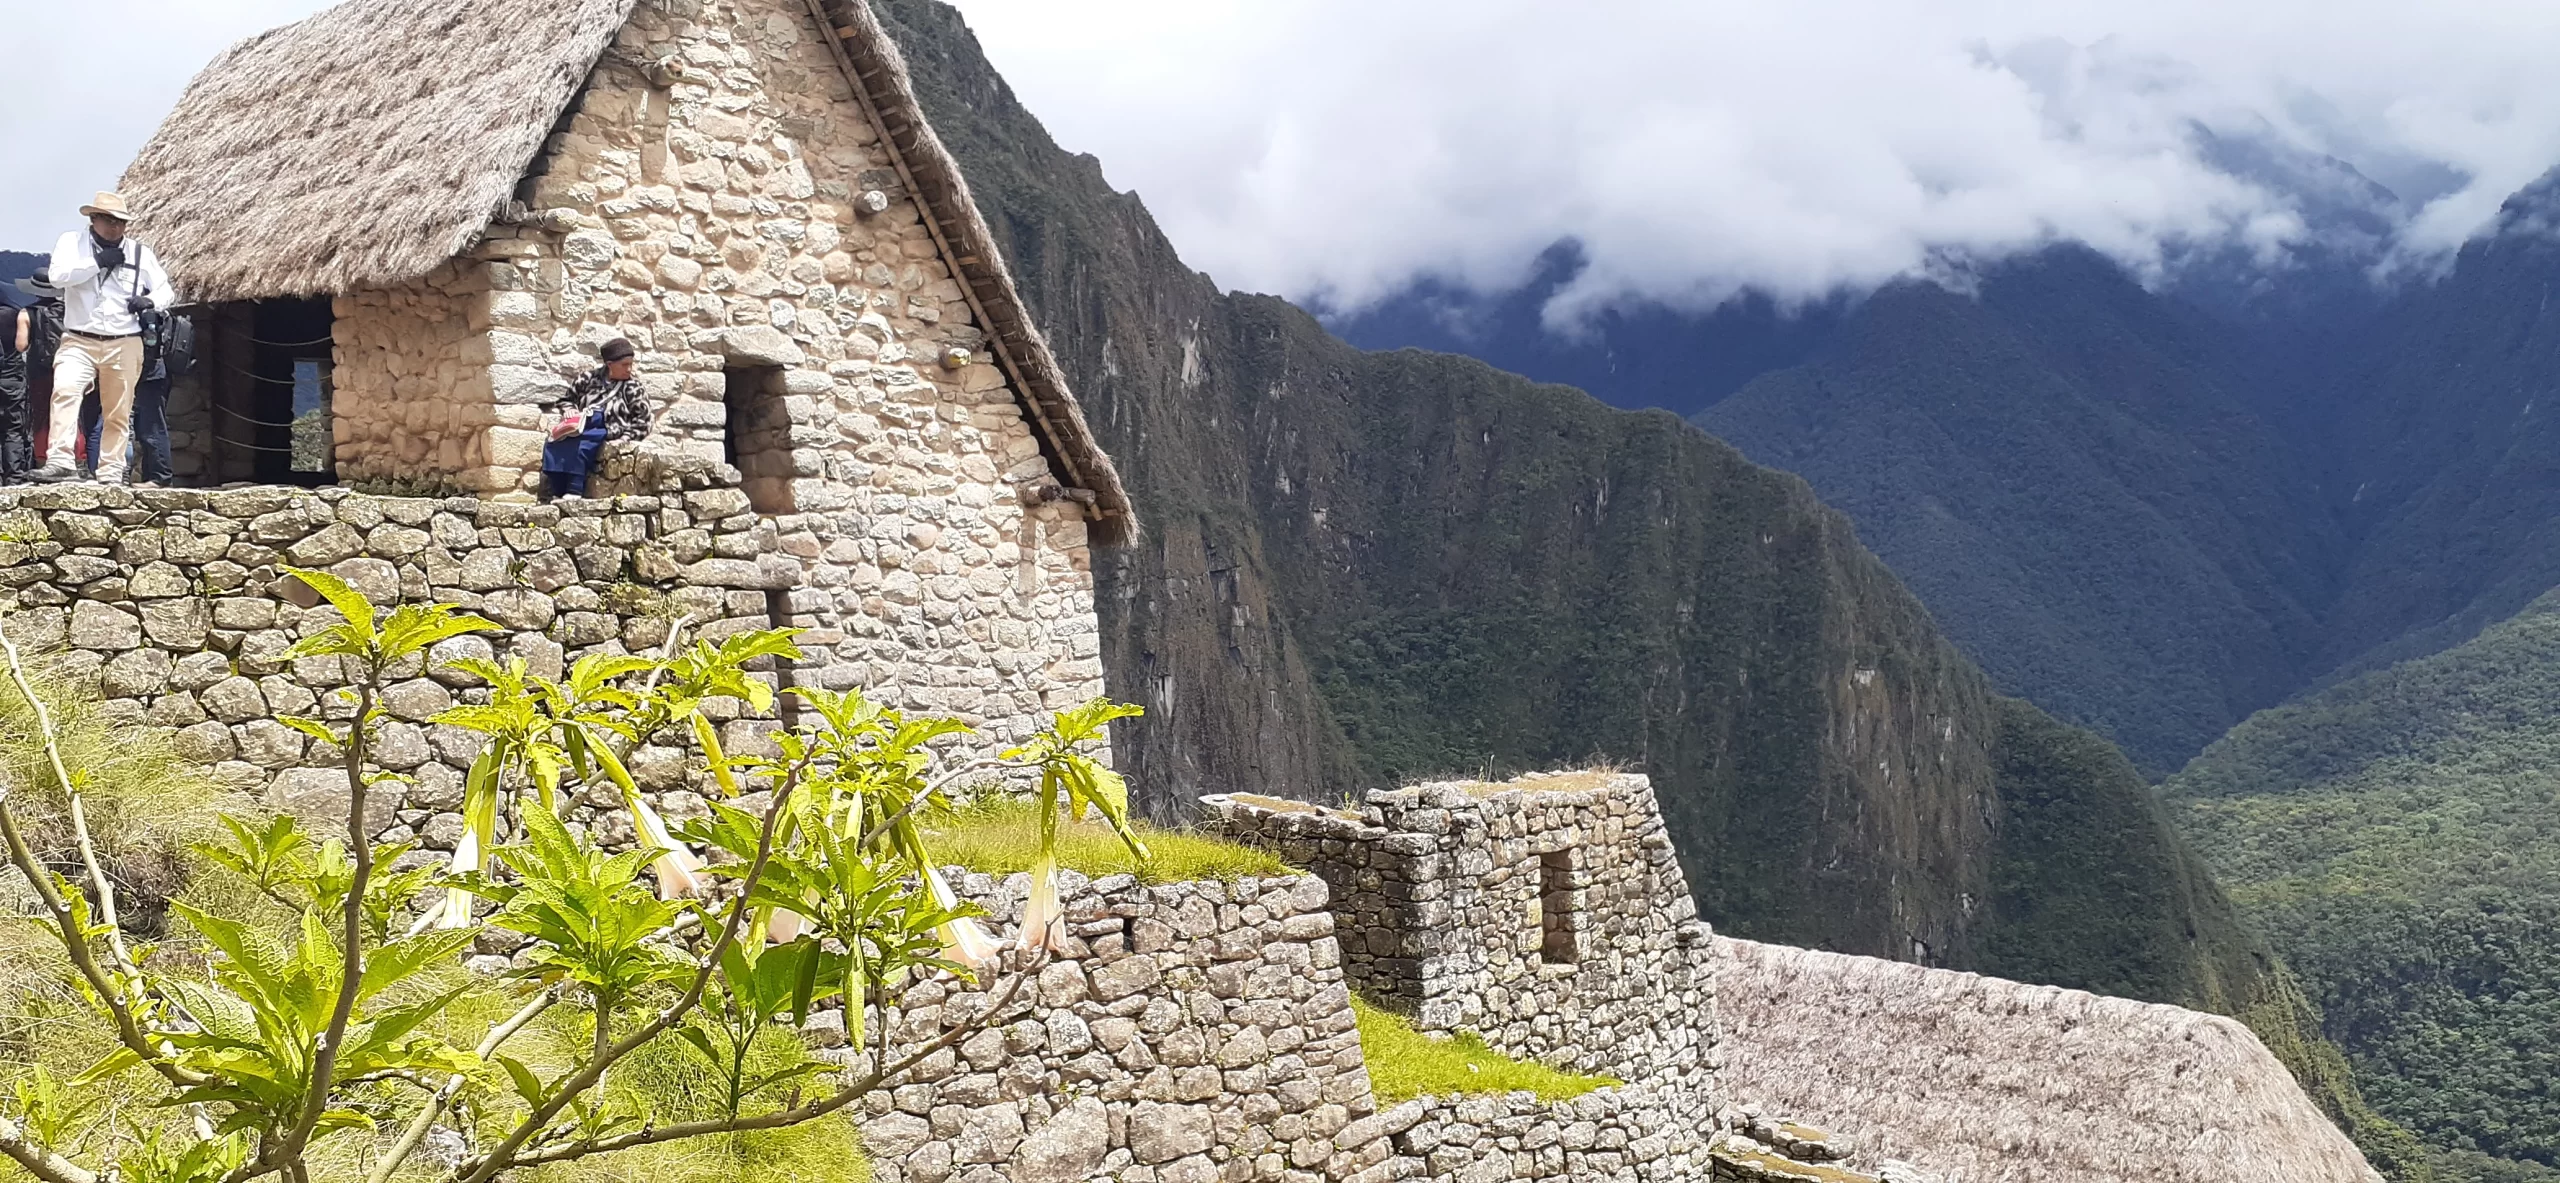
(1332, 149)
(89, 81)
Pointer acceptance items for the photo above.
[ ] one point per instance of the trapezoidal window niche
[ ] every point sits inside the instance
(1559, 911)
(757, 441)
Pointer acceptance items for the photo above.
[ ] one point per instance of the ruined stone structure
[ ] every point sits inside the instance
(1547, 914)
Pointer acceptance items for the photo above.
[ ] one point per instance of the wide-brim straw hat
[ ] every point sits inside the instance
(36, 285)
(111, 204)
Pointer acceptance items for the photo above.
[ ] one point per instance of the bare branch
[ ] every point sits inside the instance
(847, 1095)
(98, 881)
(40, 1162)
(75, 945)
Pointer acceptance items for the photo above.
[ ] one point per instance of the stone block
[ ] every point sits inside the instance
(1160, 1132)
(753, 345)
(180, 623)
(102, 626)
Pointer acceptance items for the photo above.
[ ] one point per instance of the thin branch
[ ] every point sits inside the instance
(781, 1117)
(324, 1065)
(426, 1118)
(577, 1083)
(98, 881)
(76, 945)
(40, 1162)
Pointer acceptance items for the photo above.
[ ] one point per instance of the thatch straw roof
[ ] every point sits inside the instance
(367, 145)
(1977, 1079)
(361, 147)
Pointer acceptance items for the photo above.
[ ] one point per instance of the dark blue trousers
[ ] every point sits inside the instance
(567, 461)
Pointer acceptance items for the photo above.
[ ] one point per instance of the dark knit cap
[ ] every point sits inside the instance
(618, 349)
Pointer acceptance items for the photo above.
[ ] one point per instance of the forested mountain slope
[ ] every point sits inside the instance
(1361, 567)
(2448, 437)
(2399, 836)
(2067, 469)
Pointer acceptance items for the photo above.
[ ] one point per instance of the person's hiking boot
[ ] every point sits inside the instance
(54, 474)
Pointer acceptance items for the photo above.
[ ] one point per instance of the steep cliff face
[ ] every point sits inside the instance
(1362, 568)
(1366, 567)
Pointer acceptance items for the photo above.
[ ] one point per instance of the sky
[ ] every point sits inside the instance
(1335, 150)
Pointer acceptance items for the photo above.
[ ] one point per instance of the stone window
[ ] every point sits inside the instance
(1559, 917)
(758, 437)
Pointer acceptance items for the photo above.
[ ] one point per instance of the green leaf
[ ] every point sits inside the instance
(400, 960)
(116, 1061)
(251, 954)
(343, 1119)
(528, 1086)
(349, 602)
(313, 728)
(416, 627)
(701, 1042)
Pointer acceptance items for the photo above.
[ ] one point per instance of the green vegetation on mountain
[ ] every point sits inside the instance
(1361, 568)
(2066, 470)
(2399, 836)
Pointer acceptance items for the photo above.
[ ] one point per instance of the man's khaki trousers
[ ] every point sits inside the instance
(115, 366)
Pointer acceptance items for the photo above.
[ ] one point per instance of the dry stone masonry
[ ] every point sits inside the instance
(1188, 1032)
(1193, 1032)
(1549, 916)
(174, 601)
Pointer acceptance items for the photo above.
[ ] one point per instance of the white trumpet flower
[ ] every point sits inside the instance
(455, 912)
(1044, 924)
(678, 869)
(964, 941)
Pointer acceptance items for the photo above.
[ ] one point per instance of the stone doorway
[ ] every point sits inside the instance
(266, 383)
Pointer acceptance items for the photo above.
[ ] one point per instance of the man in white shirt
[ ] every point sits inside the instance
(109, 284)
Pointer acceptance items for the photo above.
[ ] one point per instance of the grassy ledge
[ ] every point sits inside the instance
(1405, 1063)
(1000, 837)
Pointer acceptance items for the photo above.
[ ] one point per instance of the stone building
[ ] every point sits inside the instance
(409, 223)
(1547, 915)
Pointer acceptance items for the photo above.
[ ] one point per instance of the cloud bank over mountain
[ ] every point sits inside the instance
(1334, 151)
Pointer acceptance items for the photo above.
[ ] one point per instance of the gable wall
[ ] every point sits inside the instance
(712, 221)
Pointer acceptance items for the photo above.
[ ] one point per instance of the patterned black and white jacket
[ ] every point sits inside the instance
(626, 409)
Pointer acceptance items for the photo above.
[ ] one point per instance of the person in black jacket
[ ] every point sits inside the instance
(27, 340)
(15, 446)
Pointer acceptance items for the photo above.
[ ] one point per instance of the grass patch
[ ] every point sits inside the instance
(1405, 1063)
(1000, 836)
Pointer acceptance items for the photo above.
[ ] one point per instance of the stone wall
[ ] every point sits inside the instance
(172, 599)
(1548, 914)
(1202, 1031)
(411, 394)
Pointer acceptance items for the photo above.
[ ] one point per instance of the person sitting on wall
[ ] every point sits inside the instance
(113, 291)
(606, 404)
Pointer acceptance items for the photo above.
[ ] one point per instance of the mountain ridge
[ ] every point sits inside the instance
(1362, 567)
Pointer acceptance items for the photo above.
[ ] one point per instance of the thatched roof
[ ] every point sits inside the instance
(1977, 1079)
(370, 143)
(361, 147)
